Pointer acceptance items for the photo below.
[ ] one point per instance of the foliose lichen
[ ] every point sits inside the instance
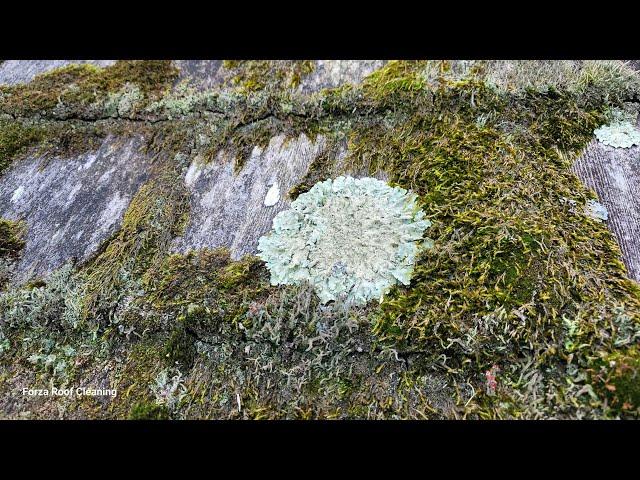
(618, 134)
(351, 239)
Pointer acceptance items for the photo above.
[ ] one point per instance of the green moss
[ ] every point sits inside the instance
(12, 235)
(395, 83)
(617, 378)
(180, 348)
(157, 213)
(141, 365)
(255, 75)
(15, 139)
(148, 411)
(509, 256)
(76, 89)
(206, 288)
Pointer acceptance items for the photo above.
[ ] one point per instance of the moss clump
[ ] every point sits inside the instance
(40, 137)
(81, 90)
(15, 139)
(255, 75)
(617, 377)
(11, 238)
(180, 348)
(205, 288)
(142, 364)
(503, 274)
(156, 214)
(148, 411)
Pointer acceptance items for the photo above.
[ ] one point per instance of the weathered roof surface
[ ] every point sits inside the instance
(228, 209)
(614, 174)
(333, 73)
(206, 74)
(512, 288)
(72, 204)
(23, 71)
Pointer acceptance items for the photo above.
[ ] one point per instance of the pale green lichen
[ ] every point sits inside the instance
(169, 389)
(596, 210)
(124, 101)
(620, 132)
(58, 300)
(351, 239)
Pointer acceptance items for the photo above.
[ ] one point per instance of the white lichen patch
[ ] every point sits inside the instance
(618, 134)
(273, 196)
(351, 239)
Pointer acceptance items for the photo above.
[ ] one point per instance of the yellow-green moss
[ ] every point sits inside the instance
(133, 380)
(255, 75)
(12, 235)
(206, 286)
(157, 213)
(148, 411)
(77, 87)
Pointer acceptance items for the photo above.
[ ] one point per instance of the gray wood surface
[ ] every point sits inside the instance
(614, 174)
(71, 204)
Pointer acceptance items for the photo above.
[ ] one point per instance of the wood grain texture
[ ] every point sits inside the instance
(614, 174)
(71, 205)
(227, 209)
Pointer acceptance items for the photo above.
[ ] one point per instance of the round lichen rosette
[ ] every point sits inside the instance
(351, 239)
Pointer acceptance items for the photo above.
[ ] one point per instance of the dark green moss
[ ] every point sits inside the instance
(180, 348)
(617, 378)
(148, 411)
(12, 235)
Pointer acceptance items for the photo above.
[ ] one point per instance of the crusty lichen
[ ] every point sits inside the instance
(618, 135)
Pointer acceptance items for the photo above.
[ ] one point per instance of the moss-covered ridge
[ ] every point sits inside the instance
(519, 284)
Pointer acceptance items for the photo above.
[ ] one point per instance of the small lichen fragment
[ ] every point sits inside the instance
(351, 239)
(273, 196)
(596, 210)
